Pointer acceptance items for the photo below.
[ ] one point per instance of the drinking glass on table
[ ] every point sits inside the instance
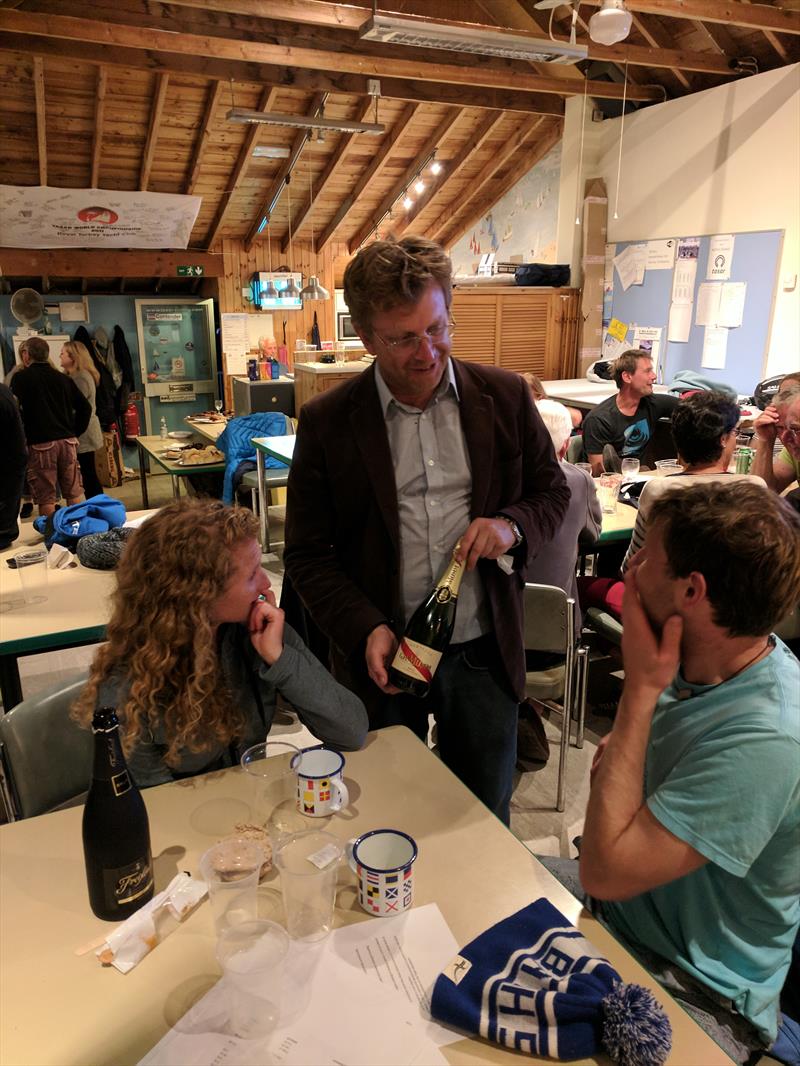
(630, 468)
(218, 406)
(32, 570)
(271, 768)
(608, 486)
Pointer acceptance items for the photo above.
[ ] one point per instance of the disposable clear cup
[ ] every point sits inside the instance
(584, 466)
(668, 466)
(231, 870)
(607, 491)
(630, 468)
(253, 960)
(309, 864)
(272, 771)
(32, 570)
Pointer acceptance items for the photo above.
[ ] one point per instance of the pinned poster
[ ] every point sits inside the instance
(680, 323)
(715, 348)
(708, 300)
(617, 329)
(612, 348)
(685, 270)
(648, 339)
(661, 254)
(630, 264)
(720, 254)
(731, 304)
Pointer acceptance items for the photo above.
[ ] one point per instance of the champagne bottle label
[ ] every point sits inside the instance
(448, 585)
(121, 783)
(416, 660)
(129, 882)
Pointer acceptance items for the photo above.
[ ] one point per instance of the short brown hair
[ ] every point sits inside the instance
(744, 540)
(390, 273)
(535, 385)
(626, 363)
(38, 350)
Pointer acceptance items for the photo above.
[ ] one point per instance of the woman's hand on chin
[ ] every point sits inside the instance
(266, 629)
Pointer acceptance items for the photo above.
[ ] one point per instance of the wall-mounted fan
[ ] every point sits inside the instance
(610, 24)
(27, 306)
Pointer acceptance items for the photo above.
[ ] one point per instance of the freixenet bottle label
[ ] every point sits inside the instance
(129, 882)
(416, 660)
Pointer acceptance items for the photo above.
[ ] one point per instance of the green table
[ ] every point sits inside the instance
(152, 447)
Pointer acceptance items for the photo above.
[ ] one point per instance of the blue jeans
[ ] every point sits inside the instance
(476, 717)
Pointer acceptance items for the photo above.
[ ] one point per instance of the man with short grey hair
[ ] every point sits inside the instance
(779, 423)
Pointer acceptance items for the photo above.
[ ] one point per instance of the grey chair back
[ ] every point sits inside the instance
(47, 757)
(546, 623)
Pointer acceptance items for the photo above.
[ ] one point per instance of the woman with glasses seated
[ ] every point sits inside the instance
(198, 652)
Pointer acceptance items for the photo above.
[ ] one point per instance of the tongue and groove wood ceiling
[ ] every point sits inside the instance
(133, 94)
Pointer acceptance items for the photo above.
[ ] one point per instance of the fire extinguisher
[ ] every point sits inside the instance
(131, 421)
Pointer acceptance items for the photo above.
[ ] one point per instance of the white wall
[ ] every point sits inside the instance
(722, 161)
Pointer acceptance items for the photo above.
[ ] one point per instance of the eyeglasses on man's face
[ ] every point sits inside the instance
(410, 343)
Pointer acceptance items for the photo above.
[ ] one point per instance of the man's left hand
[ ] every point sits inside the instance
(485, 538)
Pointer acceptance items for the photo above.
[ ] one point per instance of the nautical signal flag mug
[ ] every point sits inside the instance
(383, 861)
(320, 788)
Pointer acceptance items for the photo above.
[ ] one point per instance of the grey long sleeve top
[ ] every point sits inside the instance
(329, 710)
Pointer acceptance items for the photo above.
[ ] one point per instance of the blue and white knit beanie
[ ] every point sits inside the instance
(533, 983)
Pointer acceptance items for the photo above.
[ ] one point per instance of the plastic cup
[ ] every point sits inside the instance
(253, 960)
(630, 468)
(668, 466)
(231, 870)
(608, 491)
(585, 466)
(272, 771)
(309, 865)
(32, 570)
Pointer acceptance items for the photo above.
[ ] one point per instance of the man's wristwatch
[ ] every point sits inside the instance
(518, 537)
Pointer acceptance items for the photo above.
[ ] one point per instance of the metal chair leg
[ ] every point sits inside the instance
(566, 720)
(581, 686)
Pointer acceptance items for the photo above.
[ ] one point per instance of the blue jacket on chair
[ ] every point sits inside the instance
(236, 441)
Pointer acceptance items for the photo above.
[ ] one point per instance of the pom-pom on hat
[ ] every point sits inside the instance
(533, 983)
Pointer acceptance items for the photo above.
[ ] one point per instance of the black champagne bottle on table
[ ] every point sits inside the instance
(427, 634)
(116, 832)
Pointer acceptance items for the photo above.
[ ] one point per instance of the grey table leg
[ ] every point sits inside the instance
(143, 469)
(176, 487)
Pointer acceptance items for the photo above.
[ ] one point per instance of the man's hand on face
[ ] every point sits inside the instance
(485, 538)
(651, 659)
(766, 425)
(381, 646)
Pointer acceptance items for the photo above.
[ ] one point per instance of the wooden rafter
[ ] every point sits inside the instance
(775, 42)
(486, 173)
(284, 171)
(656, 39)
(78, 263)
(522, 164)
(408, 175)
(498, 74)
(453, 167)
(201, 143)
(159, 99)
(374, 168)
(727, 12)
(41, 118)
(346, 142)
(99, 121)
(672, 59)
(245, 154)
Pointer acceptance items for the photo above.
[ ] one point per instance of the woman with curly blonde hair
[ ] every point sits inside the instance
(76, 361)
(197, 650)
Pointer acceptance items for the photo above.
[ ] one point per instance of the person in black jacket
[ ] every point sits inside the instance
(12, 469)
(54, 414)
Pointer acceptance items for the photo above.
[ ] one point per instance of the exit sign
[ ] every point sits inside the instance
(190, 271)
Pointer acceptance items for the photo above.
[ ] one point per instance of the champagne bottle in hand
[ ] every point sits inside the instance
(116, 832)
(427, 634)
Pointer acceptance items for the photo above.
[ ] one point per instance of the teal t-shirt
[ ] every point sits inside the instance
(723, 774)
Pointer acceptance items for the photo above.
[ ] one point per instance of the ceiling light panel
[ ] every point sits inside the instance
(302, 122)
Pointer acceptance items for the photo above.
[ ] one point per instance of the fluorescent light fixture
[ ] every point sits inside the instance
(467, 37)
(271, 151)
(302, 122)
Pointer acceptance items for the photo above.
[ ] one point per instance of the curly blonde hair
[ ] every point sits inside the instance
(161, 637)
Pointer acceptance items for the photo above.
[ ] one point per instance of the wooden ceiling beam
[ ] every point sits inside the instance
(656, 39)
(41, 118)
(214, 94)
(775, 42)
(671, 59)
(497, 74)
(453, 167)
(156, 109)
(522, 164)
(413, 168)
(245, 155)
(79, 263)
(311, 12)
(726, 12)
(487, 171)
(99, 121)
(346, 142)
(290, 78)
(369, 173)
(284, 171)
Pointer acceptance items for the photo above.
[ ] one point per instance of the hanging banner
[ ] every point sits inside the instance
(41, 217)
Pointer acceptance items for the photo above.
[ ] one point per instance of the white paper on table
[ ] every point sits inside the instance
(661, 254)
(720, 254)
(715, 348)
(680, 322)
(708, 300)
(630, 264)
(368, 986)
(731, 304)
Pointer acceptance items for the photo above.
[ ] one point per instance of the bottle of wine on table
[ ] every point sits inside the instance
(427, 634)
(116, 832)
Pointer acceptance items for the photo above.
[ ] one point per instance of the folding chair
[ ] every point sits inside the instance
(46, 756)
(550, 627)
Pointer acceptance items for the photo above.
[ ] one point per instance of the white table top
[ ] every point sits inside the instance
(281, 448)
(210, 430)
(350, 366)
(585, 393)
(58, 1007)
